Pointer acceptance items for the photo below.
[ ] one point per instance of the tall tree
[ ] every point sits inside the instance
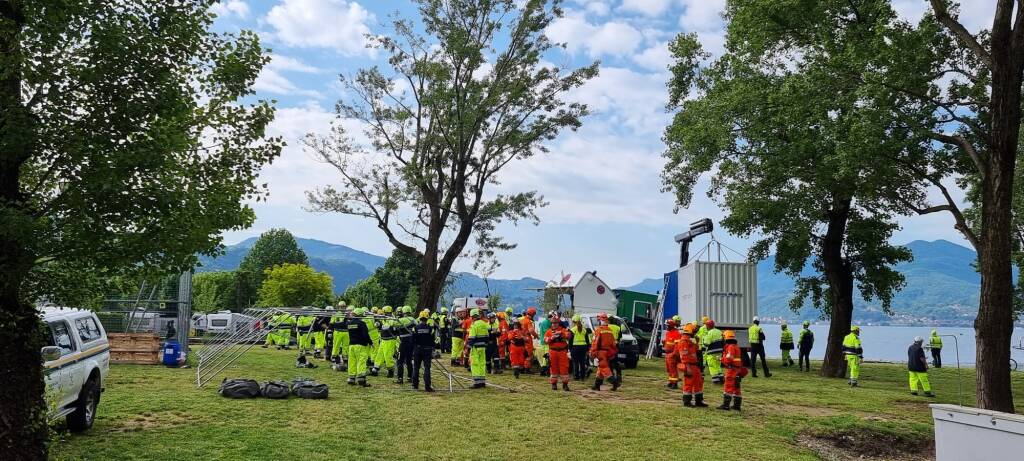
(295, 285)
(126, 140)
(274, 248)
(213, 291)
(460, 102)
(793, 152)
(399, 275)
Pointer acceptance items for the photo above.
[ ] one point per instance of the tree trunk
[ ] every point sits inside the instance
(840, 286)
(994, 324)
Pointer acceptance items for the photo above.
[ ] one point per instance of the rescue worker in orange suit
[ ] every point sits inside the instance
(688, 357)
(672, 338)
(603, 348)
(557, 338)
(466, 324)
(503, 329)
(517, 348)
(530, 333)
(732, 361)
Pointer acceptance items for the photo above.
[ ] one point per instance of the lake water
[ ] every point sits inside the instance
(890, 343)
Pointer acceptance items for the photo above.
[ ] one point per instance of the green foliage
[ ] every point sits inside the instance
(365, 293)
(477, 96)
(399, 276)
(274, 248)
(799, 155)
(494, 302)
(213, 291)
(295, 285)
(413, 297)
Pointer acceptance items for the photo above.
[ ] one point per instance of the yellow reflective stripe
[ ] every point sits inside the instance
(77, 356)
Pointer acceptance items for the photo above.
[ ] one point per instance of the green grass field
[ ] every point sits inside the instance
(151, 412)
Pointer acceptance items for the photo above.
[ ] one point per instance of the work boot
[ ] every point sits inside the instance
(364, 384)
(400, 381)
(565, 387)
(597, 384)
(554, 386)
(616, 382)
(391, 373)
(687, 400)
(726, 402)
(544, 371)
(699, 401)
(264, 346)
(736, 403)
(351, 381)
(853, 383)
(374, 371)
(479, 385)
(428, 389)
(515, 372)
(929, 394)
(913, 392)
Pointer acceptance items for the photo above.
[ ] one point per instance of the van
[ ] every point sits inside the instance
(76, 361)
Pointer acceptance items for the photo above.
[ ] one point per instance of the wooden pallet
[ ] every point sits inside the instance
(137, 348)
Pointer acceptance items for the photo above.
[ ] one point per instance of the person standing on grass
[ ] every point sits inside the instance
(668, 345)
(936, 345)
(756, 337)
(479, 334)
(701, 349)
(580, 346)
(854, 354)
(693, 380)
(359, 346)
(806, 343)
(557, 339)
(713, 344)
(423, 351)
(603, 348)
(406, 329)
(517, 348)
(786, 345)
(917, 367)
(542, 349)
(732, 361)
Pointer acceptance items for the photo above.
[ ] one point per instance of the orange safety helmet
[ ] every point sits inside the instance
(688, 328)
(709, 323)
(729, 334)
(531, 311)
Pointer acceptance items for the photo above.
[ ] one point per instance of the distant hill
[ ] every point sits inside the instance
(345, 265)
(942, 287)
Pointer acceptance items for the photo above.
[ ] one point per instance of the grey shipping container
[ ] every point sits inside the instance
(725, 292)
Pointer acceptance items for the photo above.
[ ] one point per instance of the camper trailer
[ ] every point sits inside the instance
(587, 295)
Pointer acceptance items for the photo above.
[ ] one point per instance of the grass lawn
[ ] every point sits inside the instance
(152, 412)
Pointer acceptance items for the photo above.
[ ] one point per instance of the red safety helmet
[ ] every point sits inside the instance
(671, 323)
(602, 316)
(531, 311)
(710, 323)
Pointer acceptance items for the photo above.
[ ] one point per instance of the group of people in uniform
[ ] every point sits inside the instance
(691, 351)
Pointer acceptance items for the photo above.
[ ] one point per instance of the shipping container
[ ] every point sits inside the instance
(634, 305)
(725, 292)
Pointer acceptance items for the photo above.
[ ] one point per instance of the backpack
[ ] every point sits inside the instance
(275, 390)
(239, 388)
(311, 390)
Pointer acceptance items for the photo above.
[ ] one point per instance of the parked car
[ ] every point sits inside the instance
(76, 361)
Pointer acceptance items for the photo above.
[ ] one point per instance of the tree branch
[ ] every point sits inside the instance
(960, 32)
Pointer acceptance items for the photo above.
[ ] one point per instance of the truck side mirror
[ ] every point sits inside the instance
(51, 353)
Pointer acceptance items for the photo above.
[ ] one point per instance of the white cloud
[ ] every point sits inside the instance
(625, 98)
(702, 15)
(611, 38)
(230, 8)
(336, 24)
(272, 80)
(655, 58)
(647, 7)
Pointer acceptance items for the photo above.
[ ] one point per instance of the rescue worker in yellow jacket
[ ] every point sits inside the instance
(854, 354)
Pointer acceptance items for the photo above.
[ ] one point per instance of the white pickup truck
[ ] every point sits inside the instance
(76, 360)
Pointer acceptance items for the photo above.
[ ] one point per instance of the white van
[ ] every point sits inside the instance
(76, 361)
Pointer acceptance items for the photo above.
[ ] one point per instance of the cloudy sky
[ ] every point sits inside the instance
(606, 212)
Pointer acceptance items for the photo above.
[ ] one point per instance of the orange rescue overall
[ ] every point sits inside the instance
(693, 379)
(557, 339)
(732, 361)
(603, 348)
(670, 344)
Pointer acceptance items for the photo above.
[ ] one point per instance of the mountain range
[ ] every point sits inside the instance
(941, 284)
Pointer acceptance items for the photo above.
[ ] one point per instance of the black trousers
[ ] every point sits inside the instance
(937, 357)
(616, 366)
(492, 355)
(757, 350)
(579, 361)
(422, 358)
(405, 349)
(805, 357)
(445, 338)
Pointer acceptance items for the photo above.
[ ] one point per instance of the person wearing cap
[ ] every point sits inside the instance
(917, 367)
(713, 343)
(805, 342)
(479, 333)
(580, 346)
(517, 348)
(935, 343)
(668, 345)
(732, 361)
(406, 327)
(359, 346)
(603, 348)
(423, 351)
(756, 336)
(786, 345)
(458, 334)
(557, 339)
(693, 380)
(854, 354)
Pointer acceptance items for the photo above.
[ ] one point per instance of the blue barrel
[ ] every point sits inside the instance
(172, 353)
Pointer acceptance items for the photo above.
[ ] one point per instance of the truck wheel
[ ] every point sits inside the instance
(85, 408)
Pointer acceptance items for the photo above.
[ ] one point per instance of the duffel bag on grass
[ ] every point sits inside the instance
(239, 388)
(311, 390)
(275, 390)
